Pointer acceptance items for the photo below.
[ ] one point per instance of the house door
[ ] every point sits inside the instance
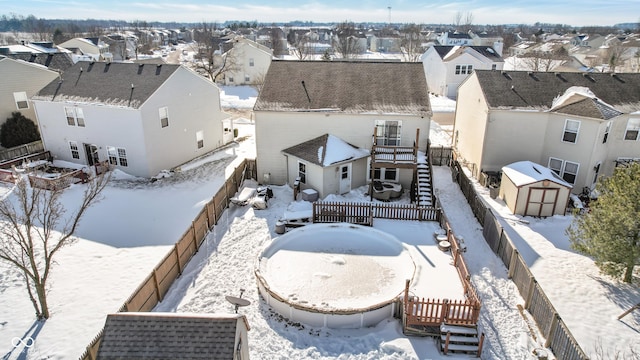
(92, 154)
(541, 202)
(345, 178)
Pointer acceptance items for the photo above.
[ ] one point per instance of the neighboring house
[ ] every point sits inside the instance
(580, 125)
(142, 118)
(247, 62)
(308, 107)
(484, 38)
(454, 38)
(43, 53)
(88, 47)
(447, 66)
(152, 335)
(20, 81)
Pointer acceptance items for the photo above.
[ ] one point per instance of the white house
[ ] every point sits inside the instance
(91, 48)
(142, 118)
(454, 38)
(580, 125)
(247, 62)
(305, 104)
(447, 66)
(20, 81)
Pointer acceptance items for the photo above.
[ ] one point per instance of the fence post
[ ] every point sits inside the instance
(175, 247)
(196, 242)
(552, 329)
(157, 284)
(527, 300)
(512, 263)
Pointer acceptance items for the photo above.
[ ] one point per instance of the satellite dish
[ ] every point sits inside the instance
(238, 301)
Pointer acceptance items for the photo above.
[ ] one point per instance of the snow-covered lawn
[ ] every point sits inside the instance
(123, 237)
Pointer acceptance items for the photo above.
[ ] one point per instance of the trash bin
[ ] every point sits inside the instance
(494, 191)
(280, 227)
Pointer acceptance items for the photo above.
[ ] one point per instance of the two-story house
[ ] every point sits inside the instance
(93, 48)
(447, 66)
(317, 120)
(247, 62)
(454, 38)
(20, 81)
(142, 118)
(580, 125)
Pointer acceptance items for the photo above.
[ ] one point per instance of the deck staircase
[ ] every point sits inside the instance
(460, 339)
(424, 187)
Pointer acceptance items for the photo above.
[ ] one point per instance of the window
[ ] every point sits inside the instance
(494, 66)
(74, 149)
(247, 78)
(302, 172)
(571, 128)
(200, 139)
(21, 100)
(596, 170)
(385, 174)
(388, 132)
(230, 79)
(122, 157)
(633, 127)
(117, 156)
(251, 62)
(567, 170)
(164, 116)
(464, 69)
(79, 117)
(606, 132)
(75, 116)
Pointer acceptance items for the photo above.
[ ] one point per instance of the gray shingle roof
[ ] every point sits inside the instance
(168, 336)
(54, 61)
(108, 83)
(537, 90)
(486, 51)
(350, 87)
(588, 107)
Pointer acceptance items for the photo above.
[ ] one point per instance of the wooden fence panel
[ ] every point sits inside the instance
(505, 250)
(22, 150)
(440, 155)
(492, 231)
(541, 310)
(144, 298)
(564, 346)
(522, 276)
(200, 227)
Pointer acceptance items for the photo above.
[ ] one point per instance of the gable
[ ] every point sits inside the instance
(326, 150)
(117, 84)
(349, 87)
(537, 90)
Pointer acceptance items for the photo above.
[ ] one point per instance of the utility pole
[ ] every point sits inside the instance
(389, 7)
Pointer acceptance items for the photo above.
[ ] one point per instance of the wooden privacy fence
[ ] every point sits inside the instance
(22, 150)
(156, 285)
(364, 213)
(558, 337)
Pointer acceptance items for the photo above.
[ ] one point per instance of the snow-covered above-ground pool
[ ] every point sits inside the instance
(331, 270)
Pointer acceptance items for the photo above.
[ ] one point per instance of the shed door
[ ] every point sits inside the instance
(345, 178)
(541, 202)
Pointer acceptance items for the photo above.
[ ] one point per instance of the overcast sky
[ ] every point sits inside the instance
(570, 12)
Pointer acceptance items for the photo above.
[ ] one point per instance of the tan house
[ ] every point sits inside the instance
(20, 81)
(247, 62)
(150, 335)
(358, 103)
(530, 189)
(580, 125)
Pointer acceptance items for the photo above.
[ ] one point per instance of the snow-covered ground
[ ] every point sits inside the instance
(125, 235)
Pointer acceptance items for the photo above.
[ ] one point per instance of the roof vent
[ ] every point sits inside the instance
(506, 74)
(617, 77)
(588, 76)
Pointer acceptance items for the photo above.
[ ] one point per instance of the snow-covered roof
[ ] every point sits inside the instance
(527, 172)
(326, 150)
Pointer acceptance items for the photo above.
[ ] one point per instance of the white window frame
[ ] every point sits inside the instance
(251, 62)
(247, 78)
(567, 130)
(633, 126)
(21, 99)
(464, 69)
(562, 171)
(122, 157)
(607, 129)
(163, 113)
(384, 134)
(75, 152)
(74, 115)
(117, 156)
(79, 117)
(302, 172)
(199, 139)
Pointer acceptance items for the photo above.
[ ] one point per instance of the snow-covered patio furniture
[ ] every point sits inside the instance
(244, 196)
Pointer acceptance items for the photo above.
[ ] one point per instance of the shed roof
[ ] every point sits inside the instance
(326, 150)
(345, 86)
(118, 84)
(537, 90)
(527, 172)
(169, 336)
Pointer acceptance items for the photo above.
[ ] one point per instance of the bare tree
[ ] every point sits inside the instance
(204, 49)
(346, 40)
(229, 63)
(463, 21)
(33, 229)
(278, 42)
(539, 60)
(411, 44)
(302, 47)
(615, 56)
